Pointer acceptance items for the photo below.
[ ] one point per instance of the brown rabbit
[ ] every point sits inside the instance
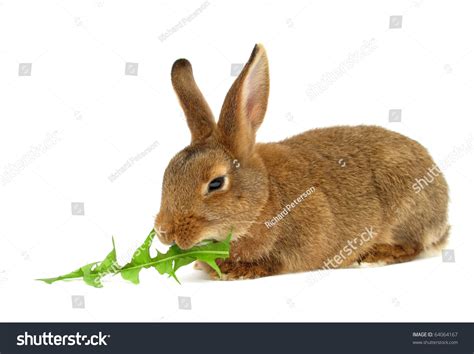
(326, 198)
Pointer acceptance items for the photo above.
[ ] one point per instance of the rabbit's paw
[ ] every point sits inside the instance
(232, 270)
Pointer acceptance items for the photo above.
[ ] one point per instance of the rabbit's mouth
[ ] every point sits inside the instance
(202, 243)
(205, 242)
(214, 234)
(210, 237)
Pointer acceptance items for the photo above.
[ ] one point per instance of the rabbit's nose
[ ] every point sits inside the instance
(162, 230)
(162, 234)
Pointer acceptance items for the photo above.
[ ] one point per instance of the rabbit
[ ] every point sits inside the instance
(324, 199)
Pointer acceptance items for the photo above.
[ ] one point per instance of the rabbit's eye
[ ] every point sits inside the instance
(216, 183)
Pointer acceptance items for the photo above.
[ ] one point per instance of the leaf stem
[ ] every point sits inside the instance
(144, 265)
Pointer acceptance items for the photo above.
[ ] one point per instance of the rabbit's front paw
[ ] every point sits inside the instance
(249, 250)
(232, 270)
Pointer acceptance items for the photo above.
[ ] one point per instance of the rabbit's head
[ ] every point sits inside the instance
(218, 183)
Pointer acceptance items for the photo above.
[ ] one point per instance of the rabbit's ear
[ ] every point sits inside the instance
(198, 114)
(245, 105)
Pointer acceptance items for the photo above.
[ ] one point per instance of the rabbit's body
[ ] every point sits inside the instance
(322, 199)
(363, 206)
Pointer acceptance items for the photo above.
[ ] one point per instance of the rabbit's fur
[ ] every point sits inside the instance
(353, 188)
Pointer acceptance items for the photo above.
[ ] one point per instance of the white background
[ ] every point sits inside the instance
(90, 119)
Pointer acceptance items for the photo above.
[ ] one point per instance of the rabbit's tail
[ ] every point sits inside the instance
(436, 241)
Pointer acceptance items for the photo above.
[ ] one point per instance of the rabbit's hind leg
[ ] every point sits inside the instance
(390, 254)
(406, 246)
